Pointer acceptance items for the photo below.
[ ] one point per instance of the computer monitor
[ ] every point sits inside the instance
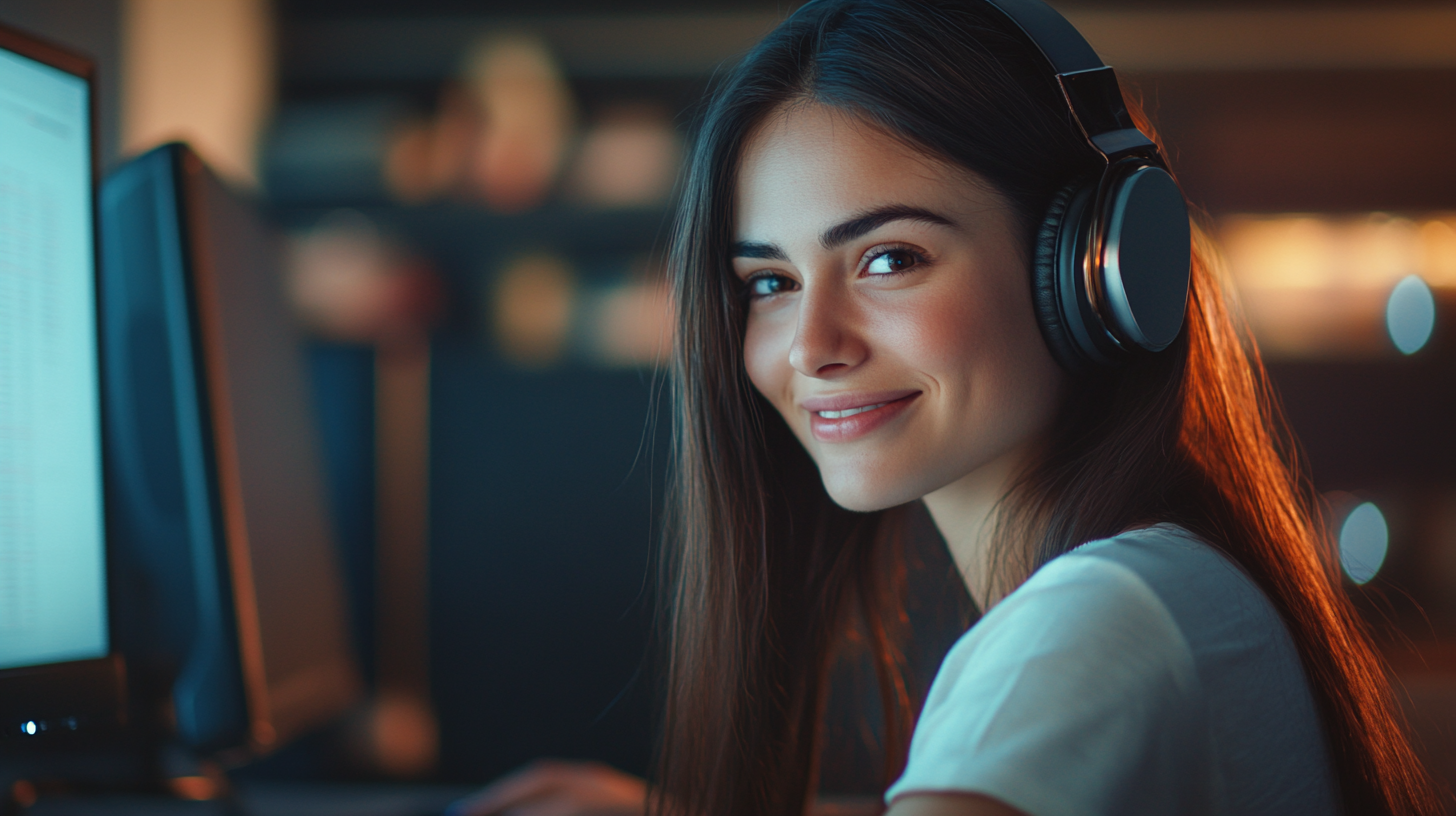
(229, 589)
(57, 673)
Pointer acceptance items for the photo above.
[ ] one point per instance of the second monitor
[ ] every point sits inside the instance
(233, 612)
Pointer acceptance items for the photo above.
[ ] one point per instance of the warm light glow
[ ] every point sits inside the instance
(1438, 252)
(199, 72)
(1319, 286)
(1364, 539)
(1270, 36)
(403, 736)
(194, 788)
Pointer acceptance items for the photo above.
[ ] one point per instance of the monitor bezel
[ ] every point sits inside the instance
(79, 695)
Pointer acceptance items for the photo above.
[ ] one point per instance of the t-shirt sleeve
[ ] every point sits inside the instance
(1077, 694)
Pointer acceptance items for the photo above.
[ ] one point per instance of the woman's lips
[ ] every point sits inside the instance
(851, 416)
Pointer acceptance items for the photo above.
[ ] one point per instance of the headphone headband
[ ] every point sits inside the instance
(1064, 47)
(1089, 85)
(1112, 259)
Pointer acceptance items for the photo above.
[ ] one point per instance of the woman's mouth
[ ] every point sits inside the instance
(849, 412)
(851, 416)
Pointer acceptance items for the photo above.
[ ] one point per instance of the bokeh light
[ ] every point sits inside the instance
(1320, 286)
(1364, 539)
(1410, 314)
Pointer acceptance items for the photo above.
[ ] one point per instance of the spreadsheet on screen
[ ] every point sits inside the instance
(52, 557)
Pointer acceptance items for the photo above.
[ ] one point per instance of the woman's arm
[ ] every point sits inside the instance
(950, 804)
(555, 788)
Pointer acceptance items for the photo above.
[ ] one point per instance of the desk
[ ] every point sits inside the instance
(269, 799)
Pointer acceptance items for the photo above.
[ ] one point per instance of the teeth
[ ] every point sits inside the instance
(849, 412)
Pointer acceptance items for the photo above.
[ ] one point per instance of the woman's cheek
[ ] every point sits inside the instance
(942, 333)
(766, 359)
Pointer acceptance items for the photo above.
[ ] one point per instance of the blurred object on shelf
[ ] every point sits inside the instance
(628, 324)
(199, 72)
(1326, 286)
(499, 134)
(349, 282)
(629, 157)
(527, 117)
(428, 156)
(540, 314)
(332, 150)
(531, 309)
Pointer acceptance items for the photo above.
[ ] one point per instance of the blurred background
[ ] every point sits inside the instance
(476, 195)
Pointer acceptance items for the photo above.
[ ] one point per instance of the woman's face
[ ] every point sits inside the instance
(890, 317)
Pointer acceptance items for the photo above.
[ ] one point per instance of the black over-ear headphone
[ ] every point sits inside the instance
(1111, 262)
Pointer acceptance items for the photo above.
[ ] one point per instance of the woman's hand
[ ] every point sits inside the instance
(555, 788)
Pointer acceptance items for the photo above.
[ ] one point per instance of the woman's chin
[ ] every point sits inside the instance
(862, 493)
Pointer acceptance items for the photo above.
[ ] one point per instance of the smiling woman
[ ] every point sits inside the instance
(889, 321)
(926, 253)
(878, 304)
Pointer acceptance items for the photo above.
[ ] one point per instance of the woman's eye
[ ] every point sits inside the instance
(767, 285)
(891, 261)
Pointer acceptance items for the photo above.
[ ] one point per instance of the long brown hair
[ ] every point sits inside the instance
(763, 573)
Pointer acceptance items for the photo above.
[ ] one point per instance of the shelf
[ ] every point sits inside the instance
(462, 238)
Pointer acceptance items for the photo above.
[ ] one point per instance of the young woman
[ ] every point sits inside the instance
(860, 327)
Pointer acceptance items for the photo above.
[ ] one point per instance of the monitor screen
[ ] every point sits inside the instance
(52, 557)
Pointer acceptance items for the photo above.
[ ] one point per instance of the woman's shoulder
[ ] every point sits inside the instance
(1161, 556)
(1148, 660)
(1077, 693)
(1146, 668)
(1211, 600)
(1106, 601)
(1159, 591)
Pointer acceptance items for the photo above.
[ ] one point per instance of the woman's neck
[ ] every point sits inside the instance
(965, 513)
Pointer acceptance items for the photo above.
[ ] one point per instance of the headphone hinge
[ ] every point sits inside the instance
(1095, 100)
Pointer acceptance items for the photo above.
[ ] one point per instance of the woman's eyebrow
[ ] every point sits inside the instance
(848, 231)
(754, 249)
(876, 218)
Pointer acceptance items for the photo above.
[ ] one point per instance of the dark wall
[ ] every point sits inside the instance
(545, 485)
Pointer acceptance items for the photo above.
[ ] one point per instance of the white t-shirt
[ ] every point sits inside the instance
(1141, 674)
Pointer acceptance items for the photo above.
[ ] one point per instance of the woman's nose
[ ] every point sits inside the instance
(825, 341)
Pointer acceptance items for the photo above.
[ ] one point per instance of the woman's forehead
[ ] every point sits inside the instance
(809, 140)
(809, 163)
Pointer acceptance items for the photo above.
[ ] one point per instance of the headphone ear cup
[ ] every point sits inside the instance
(1145, 258)
(1045, 297)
